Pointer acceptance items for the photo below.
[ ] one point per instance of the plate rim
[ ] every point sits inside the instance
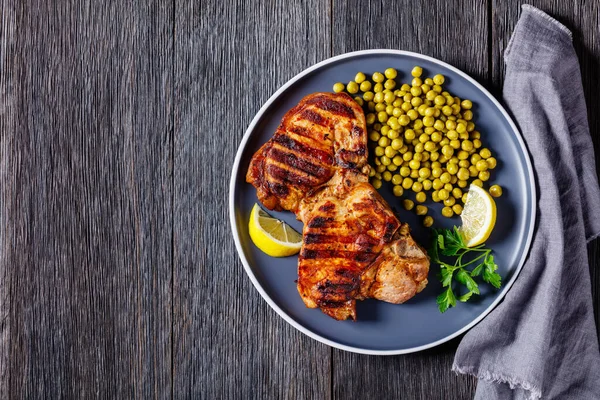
(236, 234)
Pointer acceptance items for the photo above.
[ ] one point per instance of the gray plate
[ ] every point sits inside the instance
(384, 328)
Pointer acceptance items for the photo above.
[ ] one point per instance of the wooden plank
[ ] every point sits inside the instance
(426, 375)
(86, 199)
(455, 32)
(7, 122)
(229, 58)
(582, 19)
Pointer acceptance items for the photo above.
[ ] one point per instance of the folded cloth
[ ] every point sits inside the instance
(541, 341)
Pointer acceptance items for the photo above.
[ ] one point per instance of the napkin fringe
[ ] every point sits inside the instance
(593, 237)
(535, 393)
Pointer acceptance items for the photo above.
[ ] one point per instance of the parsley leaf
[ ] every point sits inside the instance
(446, 300)
(477, 270)
(446, 276)
(463, 277)
(455, 259)
(453, 242)
(465, 297)
(489, 273)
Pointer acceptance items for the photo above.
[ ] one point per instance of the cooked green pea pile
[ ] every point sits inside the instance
(423, 139)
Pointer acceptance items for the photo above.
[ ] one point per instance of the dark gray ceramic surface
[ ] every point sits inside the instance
(383, 328)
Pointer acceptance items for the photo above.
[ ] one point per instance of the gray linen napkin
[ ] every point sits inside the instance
(541, 341)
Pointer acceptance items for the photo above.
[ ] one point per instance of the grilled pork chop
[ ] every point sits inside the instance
(354, 246)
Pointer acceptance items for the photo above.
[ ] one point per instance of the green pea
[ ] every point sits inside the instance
(390, 152)
(374, 136)
(421, 210)
(496, 190)
(416, 102)
(466, 104)
(352, 87)
(447, 212)
(404, 120)
(391, 73)
(428, 221)
(481, 165)
(390, 84)
(485, 153)
(414, 164)
(360, 78)
(463, 174)
(398, 190)
(452, 168)
(378, 77)
(439, 79)
(457, 208)
(416, 71)
(412, 114)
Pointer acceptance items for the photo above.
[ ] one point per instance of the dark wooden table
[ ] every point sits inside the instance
(119, 122)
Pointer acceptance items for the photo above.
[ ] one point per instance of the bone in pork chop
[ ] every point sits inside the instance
(354, 246)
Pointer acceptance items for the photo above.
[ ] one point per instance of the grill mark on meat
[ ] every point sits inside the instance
(327, 207)
(341, 288)
(357, 131)
(319, 222)
(358, 256)
(314, 117)
(345, 273)
(363, 242)
(345, 157)
(290, 176)
(279, 189)
(300, 164)
(303, 149)
(332, 106)
(318, 238)
(364, 256)
(299, 130)
(390, 229)
(331, 304)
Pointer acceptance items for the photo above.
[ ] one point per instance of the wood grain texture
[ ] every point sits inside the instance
(440, 29)
(454, 31)
(119, 122)
(7, 122)
(583, 19)
(86, 199)
(229, 58)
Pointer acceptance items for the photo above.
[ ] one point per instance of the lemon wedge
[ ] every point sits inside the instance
(478, 217)
(272, 236)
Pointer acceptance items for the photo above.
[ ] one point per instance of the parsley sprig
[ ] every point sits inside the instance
(455, 259)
